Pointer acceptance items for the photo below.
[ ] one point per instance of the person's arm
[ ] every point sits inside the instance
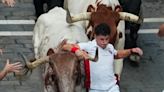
(127, 52)
(76, 49)
(15, 67)
(10, 3)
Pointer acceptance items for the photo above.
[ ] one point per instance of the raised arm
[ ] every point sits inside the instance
(76, 49)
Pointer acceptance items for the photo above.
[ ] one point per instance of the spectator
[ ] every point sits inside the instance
(9, 68)
(9, 2)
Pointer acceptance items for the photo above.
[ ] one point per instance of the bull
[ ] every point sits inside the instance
(91, 5)
(51, 28)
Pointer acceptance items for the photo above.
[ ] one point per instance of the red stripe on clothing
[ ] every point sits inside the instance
(87, 73)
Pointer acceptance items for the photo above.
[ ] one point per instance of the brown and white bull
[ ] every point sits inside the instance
(51, 28)
(80, 6)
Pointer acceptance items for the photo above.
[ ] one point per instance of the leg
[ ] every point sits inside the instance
(132, 6)
(52, 3)
(119, 44)
(134, 34)
(38, 7)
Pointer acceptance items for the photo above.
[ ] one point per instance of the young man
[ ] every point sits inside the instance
(10, 3)
(102, 77)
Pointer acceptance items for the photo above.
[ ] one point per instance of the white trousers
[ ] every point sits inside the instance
(115, 88)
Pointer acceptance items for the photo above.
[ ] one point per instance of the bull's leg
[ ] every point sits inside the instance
(52, 3)
(119, 44)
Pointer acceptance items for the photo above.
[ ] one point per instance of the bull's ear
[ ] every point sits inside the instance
(118, 8)
(50, 51)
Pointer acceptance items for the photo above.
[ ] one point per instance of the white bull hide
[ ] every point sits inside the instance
(79, 6)
(51, 28)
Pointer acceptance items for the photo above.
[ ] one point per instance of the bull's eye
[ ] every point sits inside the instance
(120, 35)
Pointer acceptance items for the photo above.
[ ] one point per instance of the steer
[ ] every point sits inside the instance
(64, 74)
(50, 29)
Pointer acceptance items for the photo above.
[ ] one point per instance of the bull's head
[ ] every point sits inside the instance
(66, 70)
(103, 14)
(87, 16)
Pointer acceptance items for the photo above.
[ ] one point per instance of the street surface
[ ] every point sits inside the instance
(147, 77)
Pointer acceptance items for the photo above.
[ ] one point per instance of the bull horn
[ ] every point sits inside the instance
(130, 17)
(95, 58)
(78, 17)
(37, 62)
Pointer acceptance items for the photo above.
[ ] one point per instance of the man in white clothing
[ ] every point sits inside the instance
(102, 77)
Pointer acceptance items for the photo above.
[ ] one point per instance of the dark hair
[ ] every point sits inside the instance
(102, 29)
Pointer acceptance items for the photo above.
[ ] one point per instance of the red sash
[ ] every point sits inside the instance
(87, 74)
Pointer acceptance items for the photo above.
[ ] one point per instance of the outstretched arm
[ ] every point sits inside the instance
(127, 52)
(76, 49)
(10, 3)
(15, 67)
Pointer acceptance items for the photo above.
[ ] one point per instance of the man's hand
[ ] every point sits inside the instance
(15, 67)
(82, 54)
(137, 50)
(10, 3)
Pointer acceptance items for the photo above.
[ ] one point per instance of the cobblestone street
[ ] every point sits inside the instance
(147, 77)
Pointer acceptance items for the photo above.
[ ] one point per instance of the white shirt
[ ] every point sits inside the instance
(101, 72)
